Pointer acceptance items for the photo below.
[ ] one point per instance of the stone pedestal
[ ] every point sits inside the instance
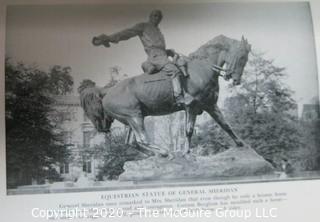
(235, 162)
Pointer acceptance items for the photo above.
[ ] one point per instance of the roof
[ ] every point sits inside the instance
(311, 107)
(67, 100)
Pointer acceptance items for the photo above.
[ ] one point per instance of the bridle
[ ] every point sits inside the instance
(231, 62)
(226, 72)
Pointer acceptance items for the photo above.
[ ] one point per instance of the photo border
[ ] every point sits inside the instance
(9, 205)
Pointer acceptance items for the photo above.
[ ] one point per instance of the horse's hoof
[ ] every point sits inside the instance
(240, 143)
(243, 146)
(189, 157)
(186, 153)
(170, 156)
(164, 153)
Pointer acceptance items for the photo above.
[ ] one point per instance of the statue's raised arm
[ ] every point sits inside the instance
(154, 46)
(125, 34)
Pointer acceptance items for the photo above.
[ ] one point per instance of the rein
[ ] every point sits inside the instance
(219, 69)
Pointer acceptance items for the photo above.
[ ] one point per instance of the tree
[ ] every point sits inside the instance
(210, 139)
(261, 108)
(260, 112)
(116, 76)
(310, 155)
(32, 145)
(114, 153)
(60, 81)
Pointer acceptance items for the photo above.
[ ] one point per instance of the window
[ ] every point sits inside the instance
(86, 167)
(86, 138)
(66, 116)
(181, 128)
(67, 137)
(85, 118)
(64, 168)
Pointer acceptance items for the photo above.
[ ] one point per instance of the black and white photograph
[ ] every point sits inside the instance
(133, 96)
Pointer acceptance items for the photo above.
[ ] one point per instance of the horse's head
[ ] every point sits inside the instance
(223, 51)
(235, 58)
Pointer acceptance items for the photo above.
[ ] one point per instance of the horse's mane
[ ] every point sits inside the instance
(217, 43)
(91, 102)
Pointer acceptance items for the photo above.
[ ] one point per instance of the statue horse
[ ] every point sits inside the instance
(132, 99)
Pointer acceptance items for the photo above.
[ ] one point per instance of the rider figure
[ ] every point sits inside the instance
(154, 45)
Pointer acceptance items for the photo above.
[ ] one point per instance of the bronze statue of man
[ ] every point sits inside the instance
(154, 45)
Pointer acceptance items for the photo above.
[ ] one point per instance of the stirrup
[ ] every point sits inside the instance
(185, 99)
(180, 100)
(188, 99)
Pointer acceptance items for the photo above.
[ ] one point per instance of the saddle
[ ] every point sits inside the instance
(159, 76)
(180, 61)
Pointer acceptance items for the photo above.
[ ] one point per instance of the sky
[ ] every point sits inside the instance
(61, 35)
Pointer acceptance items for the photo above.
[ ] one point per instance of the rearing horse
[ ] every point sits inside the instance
(152, 95)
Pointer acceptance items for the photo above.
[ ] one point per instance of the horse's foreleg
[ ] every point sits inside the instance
(216, 114)
(130, 138)
(189, 126)
(137, 125)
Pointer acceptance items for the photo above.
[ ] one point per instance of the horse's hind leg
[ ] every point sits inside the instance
(137, 125)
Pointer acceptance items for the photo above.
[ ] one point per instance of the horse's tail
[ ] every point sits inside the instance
(91, 102)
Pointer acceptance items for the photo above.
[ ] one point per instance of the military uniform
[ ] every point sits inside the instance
(154, 45)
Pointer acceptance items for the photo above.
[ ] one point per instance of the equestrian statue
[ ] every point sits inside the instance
(171, 82)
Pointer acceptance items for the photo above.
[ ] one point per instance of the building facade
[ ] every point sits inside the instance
(78, 133)
(310, 112)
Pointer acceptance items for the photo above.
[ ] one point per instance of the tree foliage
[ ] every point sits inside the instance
(262, 112)
(210, 139)
(60, 81)
(114, 154)
(115, 76)
(32, 145)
